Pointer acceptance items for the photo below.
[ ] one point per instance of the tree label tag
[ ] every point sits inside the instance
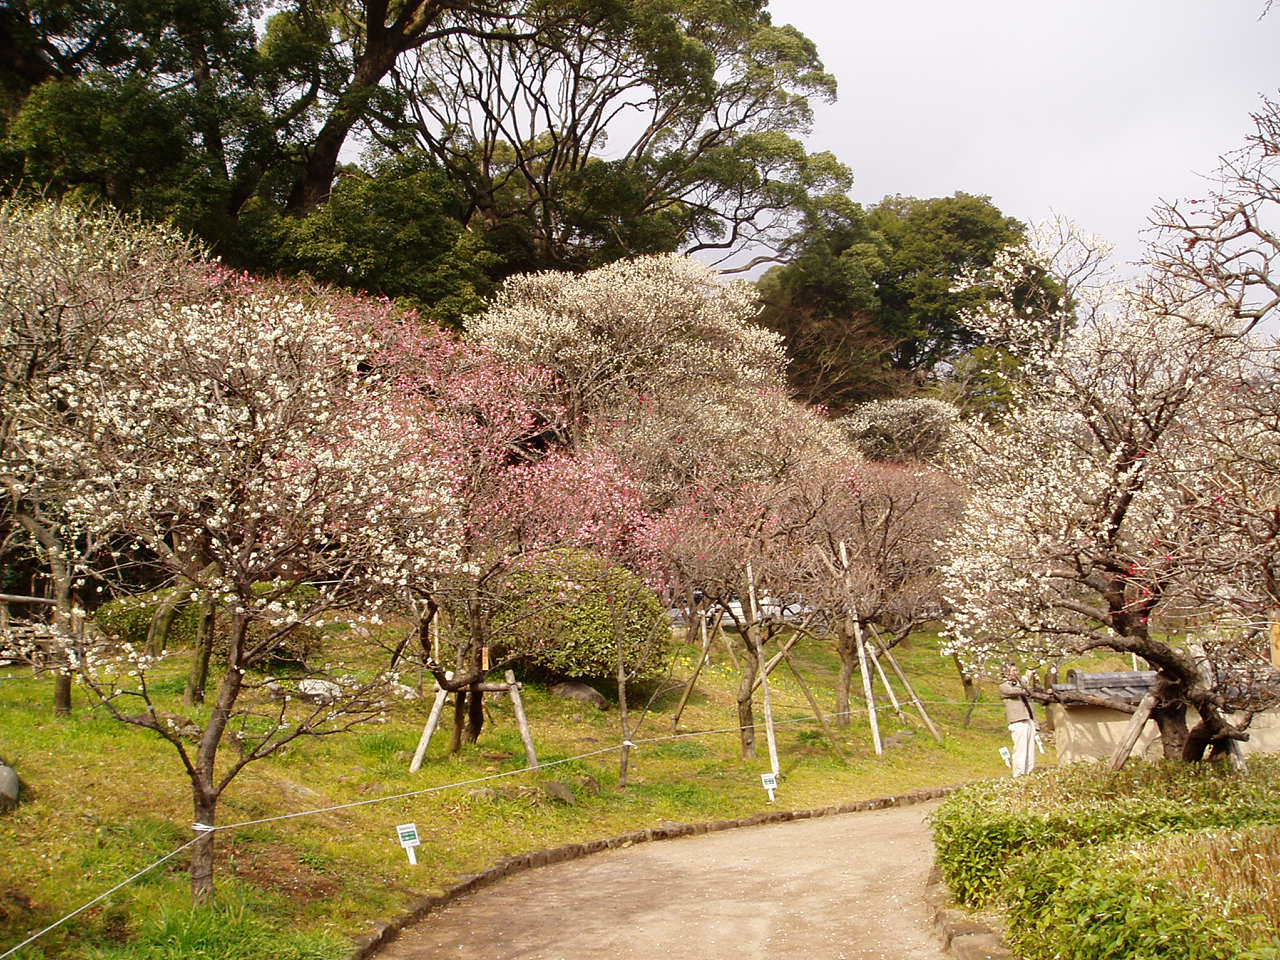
(770, 782)
(408, 836)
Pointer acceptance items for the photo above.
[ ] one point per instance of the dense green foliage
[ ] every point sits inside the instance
(1127, 899)
(576, 613)
(230, 124)
(982, 829)
(129, 619)
(867, 303)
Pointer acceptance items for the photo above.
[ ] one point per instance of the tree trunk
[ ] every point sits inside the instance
(162, 622)
(316, 178)
(204, 774)
(62, 695)
(198, 678)
(1172, 723)
(844, 684)
(624, 714)
(205, 806)
(746, 714)
(475, 715)
(60, 580)
(970, 689)
(459, 720)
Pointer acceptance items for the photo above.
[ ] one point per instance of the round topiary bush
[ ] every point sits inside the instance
(129, 618)
(569, 611)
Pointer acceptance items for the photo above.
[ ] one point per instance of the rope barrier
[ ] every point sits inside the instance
(98, 899)
(202, 829)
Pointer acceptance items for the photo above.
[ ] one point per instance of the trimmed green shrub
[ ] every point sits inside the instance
(979, 830)
(1144, 899)
(129, 618)
(571, 610)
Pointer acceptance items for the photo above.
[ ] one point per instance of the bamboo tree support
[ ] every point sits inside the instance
(911, 691)
(437, 709)
(433, 721)
(861, 647)
(770, 735)
(1133, 731)
(867, 692)
(706, 654)
(777, 658)
(518, 703)
(817, 710)
(884, 679)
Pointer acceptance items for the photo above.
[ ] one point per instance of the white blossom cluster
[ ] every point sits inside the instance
(244, 425)
(635, 326)
(1039, 289)
(1077, 529)
(902, 428)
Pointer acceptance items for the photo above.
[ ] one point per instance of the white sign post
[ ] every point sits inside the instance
(770, 782)
(408, 834)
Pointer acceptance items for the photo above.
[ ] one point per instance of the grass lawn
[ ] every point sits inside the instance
(106, 800)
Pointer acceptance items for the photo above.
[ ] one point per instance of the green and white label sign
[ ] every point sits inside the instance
(408, 834)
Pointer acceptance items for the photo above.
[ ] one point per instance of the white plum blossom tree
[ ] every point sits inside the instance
(1079, 532)
(630, 330)
(254, 445)
(902, 429)
(68, 276)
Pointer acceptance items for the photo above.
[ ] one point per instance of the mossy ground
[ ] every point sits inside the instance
(107, 799)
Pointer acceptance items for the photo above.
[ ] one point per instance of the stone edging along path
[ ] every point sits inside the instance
(367, 946)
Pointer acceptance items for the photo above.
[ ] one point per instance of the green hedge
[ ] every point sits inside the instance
(980, 830)
(1128, 899)
(569, 611)
(128, 619)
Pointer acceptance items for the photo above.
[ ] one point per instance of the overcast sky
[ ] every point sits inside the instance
(1091, 108)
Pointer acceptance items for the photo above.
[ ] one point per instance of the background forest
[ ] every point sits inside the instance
(427, 150)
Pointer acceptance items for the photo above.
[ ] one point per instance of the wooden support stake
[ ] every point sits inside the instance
(884, 679)
(770, 734)
(525, 735)
(858, 642)
(817, 711)
(911, 691)
(867, 692)
(1133, 731)
(706, 652)
(429, 730)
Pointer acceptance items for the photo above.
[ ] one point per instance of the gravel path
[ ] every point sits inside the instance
(843, 887)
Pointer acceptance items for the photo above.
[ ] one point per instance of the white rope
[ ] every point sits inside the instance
(98, 899)
(205, 828)
(202, 828)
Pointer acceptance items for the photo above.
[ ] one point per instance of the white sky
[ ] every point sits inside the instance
(1091, 108)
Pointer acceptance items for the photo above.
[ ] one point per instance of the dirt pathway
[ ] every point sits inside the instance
(844, 887)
